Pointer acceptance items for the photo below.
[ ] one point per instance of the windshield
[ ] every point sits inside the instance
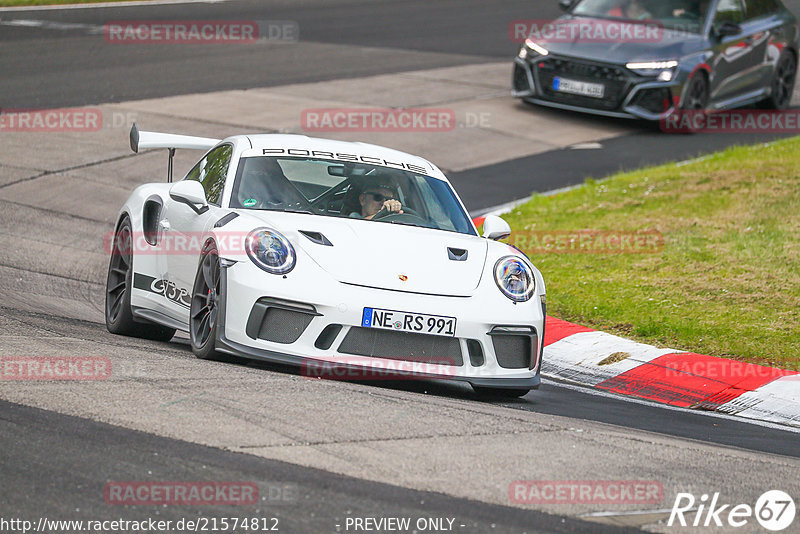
(686, 15)
(353, 190)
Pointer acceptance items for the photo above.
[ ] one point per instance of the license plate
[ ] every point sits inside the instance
(418, 323)
(563, 85)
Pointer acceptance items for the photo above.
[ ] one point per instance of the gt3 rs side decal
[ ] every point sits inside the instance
(165, 288)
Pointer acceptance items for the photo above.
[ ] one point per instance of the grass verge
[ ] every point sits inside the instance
(724, 281)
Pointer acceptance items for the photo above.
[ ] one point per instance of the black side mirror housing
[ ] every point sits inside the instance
(565, 5)
(728, 29)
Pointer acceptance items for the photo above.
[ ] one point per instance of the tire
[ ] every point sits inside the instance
(698, 95)
(783, 80)
(500, 393)
(205, 307)
(119, 317)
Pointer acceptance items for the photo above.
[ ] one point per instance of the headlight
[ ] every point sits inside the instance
(663, 69)
(270, 251)
(514, 278)
(531, 49)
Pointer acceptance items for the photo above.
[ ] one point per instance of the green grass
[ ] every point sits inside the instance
(10, 3)
(727, 280)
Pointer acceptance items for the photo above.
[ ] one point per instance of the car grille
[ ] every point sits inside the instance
(513, 352)
(283, 326)
(614, 78)
(405, 346)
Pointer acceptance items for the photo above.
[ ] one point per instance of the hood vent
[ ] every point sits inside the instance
(457, 254)
(316, 237)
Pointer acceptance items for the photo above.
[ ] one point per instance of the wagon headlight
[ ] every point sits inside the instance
(665, 70)
(531, 49)
(514, 278)
(270, 250)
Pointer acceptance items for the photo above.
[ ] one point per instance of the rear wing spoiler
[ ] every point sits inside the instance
(145, 140)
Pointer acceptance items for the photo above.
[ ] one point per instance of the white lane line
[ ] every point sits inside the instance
(52, 25)
(632, 512)
(560, 382)
(96, 5)
(586, 146)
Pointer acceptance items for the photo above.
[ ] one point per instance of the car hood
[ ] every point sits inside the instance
(385, 255)
(664, 45)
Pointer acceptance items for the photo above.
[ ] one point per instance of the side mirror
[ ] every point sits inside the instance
(191, 193)
(728, 29)
(495, 228)
(565, 5)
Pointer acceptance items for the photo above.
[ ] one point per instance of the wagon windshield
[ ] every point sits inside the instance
(684, 15)
(343, 189)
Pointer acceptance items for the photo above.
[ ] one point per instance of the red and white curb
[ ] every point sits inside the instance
(591, 358)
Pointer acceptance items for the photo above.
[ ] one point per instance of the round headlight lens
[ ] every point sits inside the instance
(271, 251)
(514, 278)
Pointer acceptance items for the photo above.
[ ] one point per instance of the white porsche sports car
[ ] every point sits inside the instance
(327, 255)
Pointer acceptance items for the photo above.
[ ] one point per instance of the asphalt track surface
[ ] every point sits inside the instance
(72, 476)
(59, 463)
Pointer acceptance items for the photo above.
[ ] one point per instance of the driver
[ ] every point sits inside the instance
(378, 197)
(632, 10)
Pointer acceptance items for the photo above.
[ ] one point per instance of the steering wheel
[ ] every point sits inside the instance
(386, 213)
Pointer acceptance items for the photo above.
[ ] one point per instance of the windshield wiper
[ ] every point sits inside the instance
(298, 210)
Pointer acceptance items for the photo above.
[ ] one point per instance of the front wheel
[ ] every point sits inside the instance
(694, 108)
(204, 309)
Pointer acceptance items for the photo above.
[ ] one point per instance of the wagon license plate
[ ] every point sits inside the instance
(564, 85)
(418, 323)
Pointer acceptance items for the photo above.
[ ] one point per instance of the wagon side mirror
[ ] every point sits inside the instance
(495, 228)
(727, 29)
(191, 193)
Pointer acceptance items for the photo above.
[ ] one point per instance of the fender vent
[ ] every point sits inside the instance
(316, 237)
(150, 215)
(457, 254)
(225, 220)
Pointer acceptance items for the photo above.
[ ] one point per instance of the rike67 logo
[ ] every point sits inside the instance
(774, 510)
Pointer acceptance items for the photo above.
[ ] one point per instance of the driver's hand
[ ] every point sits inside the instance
(392, 206)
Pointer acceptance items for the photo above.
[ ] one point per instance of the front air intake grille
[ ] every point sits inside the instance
(283, 326)
(405, 346)
(515, 347)
(513, 352)
(279, 321)
(654, 100)
(475, 353)
(520, 81)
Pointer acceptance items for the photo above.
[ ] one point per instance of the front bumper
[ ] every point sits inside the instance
(627, 95)
(318, 329)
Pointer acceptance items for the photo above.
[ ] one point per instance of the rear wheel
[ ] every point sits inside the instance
(500, 393)
(204, 310)
(119, 316)
(783, 80)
